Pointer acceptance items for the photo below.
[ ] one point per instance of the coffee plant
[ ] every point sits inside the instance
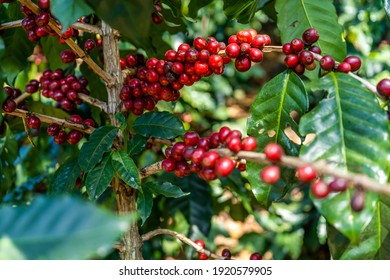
(194, 129)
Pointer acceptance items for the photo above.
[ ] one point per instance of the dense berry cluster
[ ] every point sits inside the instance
(156, 80)
(300, 56)
(308, 174)
(196, 155)
(72, 136)
(9, 105)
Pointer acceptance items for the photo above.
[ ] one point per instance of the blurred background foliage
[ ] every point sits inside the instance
(223, 212)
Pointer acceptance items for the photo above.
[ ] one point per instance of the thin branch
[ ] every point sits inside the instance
(87, 28)
(48, 119)
(20, 98)
(182, 238)
(72, 44)
(93, 101)
(11, 24)
(323, 169)
(150, 169)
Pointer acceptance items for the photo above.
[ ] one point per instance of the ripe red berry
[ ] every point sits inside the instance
(297, 45)
(89, 122)
(226, 254)
(53, 129)
(197, 155)
(223, 133)
(306, 57)
(273, 151)
(291, 60)
(61, 137)
(224, 167)
(234, 144)
(203, 256)
(201, 68)
(156, 18)
(315, 49)
(287, 49)
(327, 63)
(215, 61)
(306, 173)
(320, 189)
(89, 45)
(255, 55)
(28, 23)
(244, 36)
(210, 159)
(76, 119)
(33, 122)
(213, 47)
(383, 87)
(338, 185)
(256, 256)
(74, 136)
(68, 56)
(310, 36)
(249, 143)
(357, 201)
(44, 4)
(200, 43)
(242, 63)
(191, 138)
(169, 164)
(258, 42)
(42, 19)
(200, 243)
(270, 174)
(204, 143)
(354, 61)
(344, 67)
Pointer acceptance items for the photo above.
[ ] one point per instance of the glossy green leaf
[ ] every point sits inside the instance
(158, 124)
(386, 6)
(65, 176)
(126, 168)
(270, 116)
(295, 16)
(144, 203)
(166, 189)
(374, 242)
(136, 144)
(68, 11)
(195, 6)
(128, 17)
(99, 178)
(49, 228)
(351, 133)
(99, 142)
(243, 11)
(17, 49)
(196, 207)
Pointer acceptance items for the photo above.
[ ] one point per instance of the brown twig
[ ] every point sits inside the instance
(182, 238)
(72, 44)
(323, 169)
(11, 24)
(48, 119)
(27, 132)
(93, 101)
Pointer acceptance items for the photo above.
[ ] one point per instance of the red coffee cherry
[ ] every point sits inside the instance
(383, 87)
(256, 256)
(224, 167)
(210, 159)
(338, 185)
(33, 122)
(320, 189)
(169, 164)
(74, 137)
(249, 143)
(327, 63)
(273, 151)
(200, 243)
(310, 36)
(270, 174)
(354, 61)
(306, 173)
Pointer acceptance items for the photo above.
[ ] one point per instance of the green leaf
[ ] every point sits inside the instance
(270, 115)
(65, 176)
(128, 17)
(17, 49)
(99, 178)
(166, 189)
(374, 242)
(50, 228)
(351, 133)
(158, 124)
(126, 168)
(243, 11)
(68, 11)
(144, 203)
(52, 49)
(386, 6)
(295, 16)
(137, 144)
(195, 6)
(99, 142)
(2, 47)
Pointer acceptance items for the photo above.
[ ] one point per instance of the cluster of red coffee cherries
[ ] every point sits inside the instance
(72, 136)
(300, 55)
(196, 155)
(308, 174)
(226, 254)
(156, 79)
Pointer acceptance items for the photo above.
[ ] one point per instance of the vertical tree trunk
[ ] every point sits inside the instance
(125, 195)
